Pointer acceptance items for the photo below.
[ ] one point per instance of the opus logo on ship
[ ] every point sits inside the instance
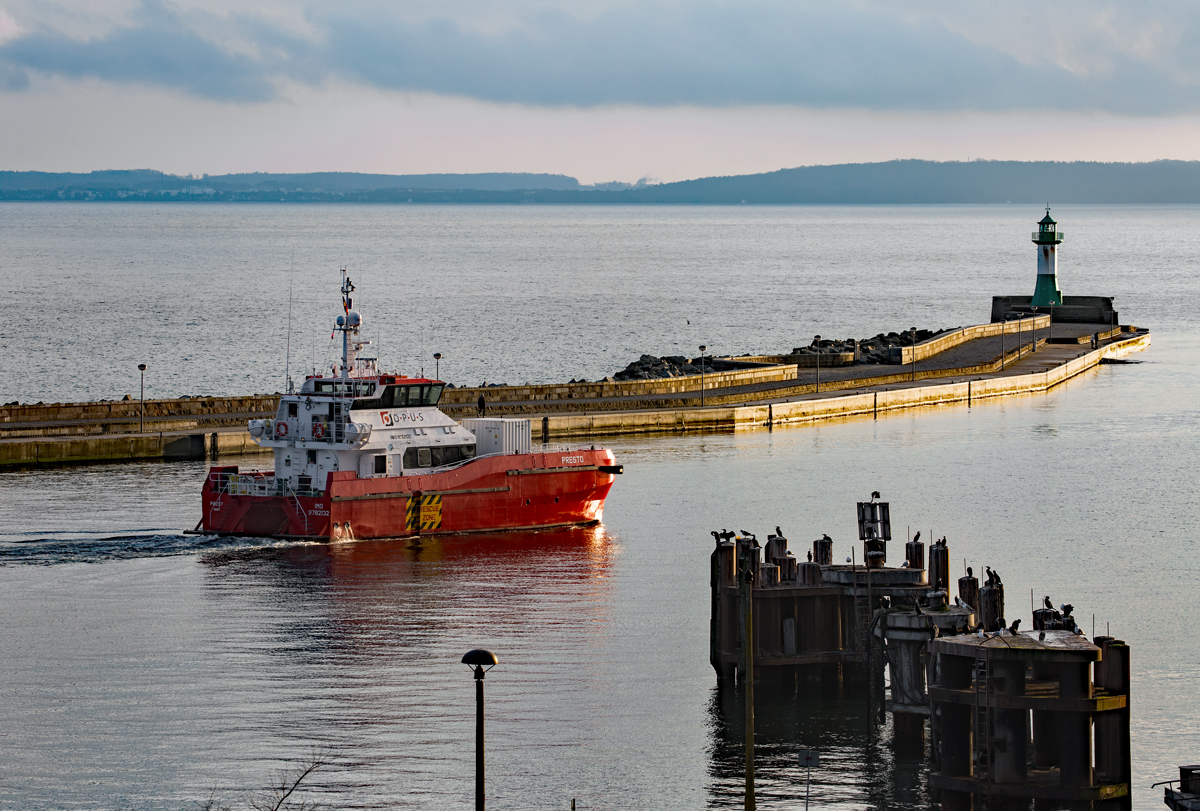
(391, 418)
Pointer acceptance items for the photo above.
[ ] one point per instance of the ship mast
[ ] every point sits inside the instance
(348, 325)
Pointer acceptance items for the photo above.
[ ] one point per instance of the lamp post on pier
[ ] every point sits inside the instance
(437, 369)
(913, 332)
(142, 414)
(817, 344)
(478, 658)
(702, 348)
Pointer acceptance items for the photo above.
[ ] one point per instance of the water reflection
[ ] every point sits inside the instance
(860, 765)
(357, 646)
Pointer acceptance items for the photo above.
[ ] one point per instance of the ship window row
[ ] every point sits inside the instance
(352, 388)
(401, 397)
(437, 456)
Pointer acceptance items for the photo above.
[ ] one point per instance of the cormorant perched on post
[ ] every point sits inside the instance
(970, 572)
(875, 495)
(1067, 608)
(778, 532)
(917, 537)
(810, 556)
(1012, 629)
(825, 537)
(1046, 602)
(717, 537)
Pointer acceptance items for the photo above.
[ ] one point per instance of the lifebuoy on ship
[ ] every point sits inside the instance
(281, 429)
(318, 430)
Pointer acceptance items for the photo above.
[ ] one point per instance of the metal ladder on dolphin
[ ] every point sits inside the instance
(983, 731)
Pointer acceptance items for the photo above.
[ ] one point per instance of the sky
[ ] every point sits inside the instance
(603, 90)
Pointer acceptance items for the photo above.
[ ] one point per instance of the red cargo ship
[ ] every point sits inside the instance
(363, 454)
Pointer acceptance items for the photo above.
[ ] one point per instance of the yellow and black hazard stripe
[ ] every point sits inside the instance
(424, 513)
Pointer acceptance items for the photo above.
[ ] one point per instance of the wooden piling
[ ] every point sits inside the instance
(968, 591)
(939, 568)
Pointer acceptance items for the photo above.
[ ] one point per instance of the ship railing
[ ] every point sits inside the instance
(246, 484)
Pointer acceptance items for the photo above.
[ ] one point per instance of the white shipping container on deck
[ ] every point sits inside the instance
(494, 435)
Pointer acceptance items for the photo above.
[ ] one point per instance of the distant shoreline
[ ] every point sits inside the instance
(889, 183)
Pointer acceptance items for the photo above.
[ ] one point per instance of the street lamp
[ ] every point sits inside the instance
(478, 658)
(142, 416)
(817, 343)
(913, 332)
(702, 348)
(437, 369)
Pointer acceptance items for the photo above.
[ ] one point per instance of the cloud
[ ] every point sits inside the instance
(935, 56)
(158, 48)
(8, 27)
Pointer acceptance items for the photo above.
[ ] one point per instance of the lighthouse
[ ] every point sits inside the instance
(1047, 238)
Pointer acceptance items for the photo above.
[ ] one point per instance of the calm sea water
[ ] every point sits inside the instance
(146, 669)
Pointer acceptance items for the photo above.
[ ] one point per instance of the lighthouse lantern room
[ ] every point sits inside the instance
(1047, 237)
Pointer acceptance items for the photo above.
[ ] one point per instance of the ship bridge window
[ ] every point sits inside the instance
(401, 397)
(436, 457)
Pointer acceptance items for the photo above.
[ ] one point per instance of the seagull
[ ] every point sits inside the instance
(1046, 602)
(1041, 636)
(825, 537)
(904, 565)
(917, 537)
(1012, 629)
(980, 633)
(847, 560)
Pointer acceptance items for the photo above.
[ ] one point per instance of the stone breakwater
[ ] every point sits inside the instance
(875, 350)
(649, 367)
(869, 350)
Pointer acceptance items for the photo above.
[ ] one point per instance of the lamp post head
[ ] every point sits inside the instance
(703, 347)
(482, 660)
(141, 367)
(437, 355)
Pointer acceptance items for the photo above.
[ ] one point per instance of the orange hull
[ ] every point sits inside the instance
(493, 493)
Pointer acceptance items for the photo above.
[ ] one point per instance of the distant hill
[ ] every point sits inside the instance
(902, 181)
(330, 182)
(914, 181)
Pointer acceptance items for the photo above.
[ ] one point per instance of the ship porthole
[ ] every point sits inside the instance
(526, 502)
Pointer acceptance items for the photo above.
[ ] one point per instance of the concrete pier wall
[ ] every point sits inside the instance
(622, 388)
